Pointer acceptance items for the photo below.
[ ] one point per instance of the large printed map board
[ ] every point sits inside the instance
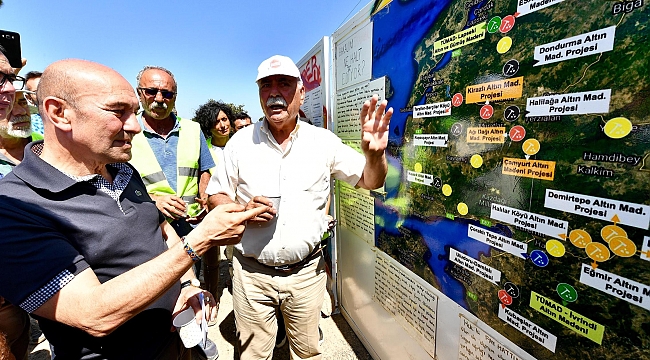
(519, 180)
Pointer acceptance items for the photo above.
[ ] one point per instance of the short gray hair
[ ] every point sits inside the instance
(151, 67)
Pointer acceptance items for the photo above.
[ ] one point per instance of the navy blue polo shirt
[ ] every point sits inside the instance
(54, 227)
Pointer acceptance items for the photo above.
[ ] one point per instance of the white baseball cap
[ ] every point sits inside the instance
(277, 65)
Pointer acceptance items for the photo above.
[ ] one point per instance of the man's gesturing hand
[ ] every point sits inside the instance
(262, 201)
(225, 224)
(374, 126)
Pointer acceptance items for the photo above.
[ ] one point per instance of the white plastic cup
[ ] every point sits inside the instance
(276, 203)
(188, 329)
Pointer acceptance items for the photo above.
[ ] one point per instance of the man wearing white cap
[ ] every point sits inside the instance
(288, 164)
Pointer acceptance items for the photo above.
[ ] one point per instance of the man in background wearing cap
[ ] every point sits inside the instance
(15, 133)
(287, 163)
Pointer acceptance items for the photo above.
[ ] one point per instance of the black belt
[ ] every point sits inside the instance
(291, 267)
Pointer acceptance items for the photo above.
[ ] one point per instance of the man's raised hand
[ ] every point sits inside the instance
(374, 125)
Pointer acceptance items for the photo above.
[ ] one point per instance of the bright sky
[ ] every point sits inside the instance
(213, 47)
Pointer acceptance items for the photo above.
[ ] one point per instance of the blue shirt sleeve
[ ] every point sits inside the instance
(37, 123)
(205, 158)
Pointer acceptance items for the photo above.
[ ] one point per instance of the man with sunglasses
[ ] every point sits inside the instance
(15, 133)
(7, 88)
(170, 153)
(14, 321)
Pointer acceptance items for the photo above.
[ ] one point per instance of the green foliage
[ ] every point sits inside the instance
(236, 109)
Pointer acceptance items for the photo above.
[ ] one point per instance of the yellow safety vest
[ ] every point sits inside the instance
(187, 165)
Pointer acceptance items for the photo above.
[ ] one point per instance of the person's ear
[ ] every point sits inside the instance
(302, 94)
(58, 111)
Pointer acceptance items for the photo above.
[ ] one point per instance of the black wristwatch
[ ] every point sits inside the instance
(194, 282)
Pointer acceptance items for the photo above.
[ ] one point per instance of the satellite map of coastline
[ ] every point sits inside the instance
(519, 165)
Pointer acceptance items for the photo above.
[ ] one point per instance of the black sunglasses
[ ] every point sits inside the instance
(17, 81)
(153, 92)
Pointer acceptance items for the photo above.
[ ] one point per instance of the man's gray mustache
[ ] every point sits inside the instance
(276, 100)
(156, 105)
(19, 119)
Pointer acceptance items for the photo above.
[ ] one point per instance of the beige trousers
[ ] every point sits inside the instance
(257, 292)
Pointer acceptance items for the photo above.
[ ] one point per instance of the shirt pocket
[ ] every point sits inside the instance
(312, 177)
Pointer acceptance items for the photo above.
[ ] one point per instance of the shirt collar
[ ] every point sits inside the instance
(11, 162)
(40, 174)
(7, 160)
(177, 125)
(210, 146)
(264, 128)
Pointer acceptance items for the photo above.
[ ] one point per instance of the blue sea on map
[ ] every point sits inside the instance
(439, 234)
(414, 19)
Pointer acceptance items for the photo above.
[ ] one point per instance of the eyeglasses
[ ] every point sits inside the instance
(153, 92)
(17, 81)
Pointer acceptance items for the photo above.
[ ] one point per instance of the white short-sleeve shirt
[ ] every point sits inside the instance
(255, 165)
